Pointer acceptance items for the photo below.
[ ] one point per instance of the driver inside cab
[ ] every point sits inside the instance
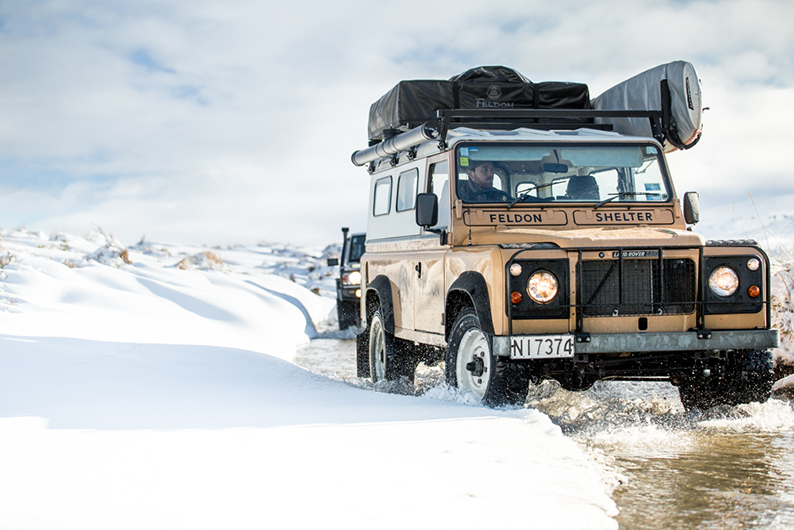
(479, 187)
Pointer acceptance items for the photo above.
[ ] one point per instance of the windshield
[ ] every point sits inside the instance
(357, 248)
(514, 173)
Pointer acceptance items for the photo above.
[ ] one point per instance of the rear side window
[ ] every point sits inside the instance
(382, 202)
(406, 190)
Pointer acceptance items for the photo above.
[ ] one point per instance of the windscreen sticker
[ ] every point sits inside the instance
(464, 161)
(653, 186)
(464, 151)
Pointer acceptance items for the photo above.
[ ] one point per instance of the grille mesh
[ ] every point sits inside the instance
(643, 291)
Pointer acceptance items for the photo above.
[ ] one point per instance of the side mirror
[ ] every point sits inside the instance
(426, 209)
(332, 262)
(691, 207)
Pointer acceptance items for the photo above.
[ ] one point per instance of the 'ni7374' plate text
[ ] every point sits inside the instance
(541, 347)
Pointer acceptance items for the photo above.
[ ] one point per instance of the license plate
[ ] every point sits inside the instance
(541, 347)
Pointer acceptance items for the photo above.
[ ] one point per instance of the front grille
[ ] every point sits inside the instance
(637, 287)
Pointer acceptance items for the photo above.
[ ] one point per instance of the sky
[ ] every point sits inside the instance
(220, 123)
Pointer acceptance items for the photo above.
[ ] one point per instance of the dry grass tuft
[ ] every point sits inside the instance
(6, 258)
(205, 260)
(112, 252)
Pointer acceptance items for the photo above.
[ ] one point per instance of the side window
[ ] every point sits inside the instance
(382, 202)
(439, 185)
(406, 190)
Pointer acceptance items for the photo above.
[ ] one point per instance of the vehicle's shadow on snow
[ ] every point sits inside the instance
(83, 384)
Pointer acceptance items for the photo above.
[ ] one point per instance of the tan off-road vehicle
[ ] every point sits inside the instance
(519, 244)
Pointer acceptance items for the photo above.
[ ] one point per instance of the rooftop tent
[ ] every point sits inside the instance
(649, 91)
(411, 103)
(408, 105)
(492, 87)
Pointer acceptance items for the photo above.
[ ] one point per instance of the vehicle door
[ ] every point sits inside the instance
(430, 291)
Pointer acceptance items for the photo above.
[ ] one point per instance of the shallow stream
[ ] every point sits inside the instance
(730, 467)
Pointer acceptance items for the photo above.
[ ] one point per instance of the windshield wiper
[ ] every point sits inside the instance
(525, 194)
(620, 196)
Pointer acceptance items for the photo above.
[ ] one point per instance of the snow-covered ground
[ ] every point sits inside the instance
(154, 387)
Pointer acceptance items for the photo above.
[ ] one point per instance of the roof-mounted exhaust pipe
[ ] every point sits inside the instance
(427, 131)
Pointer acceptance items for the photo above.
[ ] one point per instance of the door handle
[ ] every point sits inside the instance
(418, 268)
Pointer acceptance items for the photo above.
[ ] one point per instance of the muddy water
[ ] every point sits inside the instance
(728, 468)
(720, 481)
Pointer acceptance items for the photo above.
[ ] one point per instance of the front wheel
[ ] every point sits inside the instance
(756, 376)
(472, 367)
(748, 380)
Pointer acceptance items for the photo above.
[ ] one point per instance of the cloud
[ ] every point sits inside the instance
(211, 123)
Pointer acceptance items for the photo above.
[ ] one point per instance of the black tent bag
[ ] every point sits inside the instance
(411, 103)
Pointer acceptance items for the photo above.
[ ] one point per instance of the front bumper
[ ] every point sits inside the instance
(348, 293)
(702, 340)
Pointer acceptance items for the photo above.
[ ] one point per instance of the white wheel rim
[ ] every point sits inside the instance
(377, 350)
(473, 348)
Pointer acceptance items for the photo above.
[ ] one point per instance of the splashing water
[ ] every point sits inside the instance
(668, 468)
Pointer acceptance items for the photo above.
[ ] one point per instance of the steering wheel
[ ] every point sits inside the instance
(506, 196)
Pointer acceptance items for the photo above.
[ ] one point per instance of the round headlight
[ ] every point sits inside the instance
(542, 287)
(354, 278)
(724, 281)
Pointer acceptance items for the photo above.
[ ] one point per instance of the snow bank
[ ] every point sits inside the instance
(143, 395)
(50, 289)
(415, 474)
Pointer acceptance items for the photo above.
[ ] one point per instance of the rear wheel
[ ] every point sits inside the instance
(389, 357)
(475, 371)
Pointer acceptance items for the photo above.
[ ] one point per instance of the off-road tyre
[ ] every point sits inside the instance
(389, 357)
(748, 380)
(756, 376)
(472, 367)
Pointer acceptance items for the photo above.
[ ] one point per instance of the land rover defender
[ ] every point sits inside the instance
(521, 243)
(348, 284)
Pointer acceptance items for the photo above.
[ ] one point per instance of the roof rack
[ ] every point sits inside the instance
(506, 119)
(545, 119)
